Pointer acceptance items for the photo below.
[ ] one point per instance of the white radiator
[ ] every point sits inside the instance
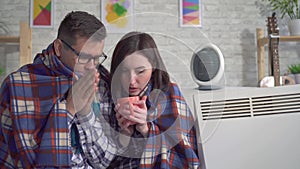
(249, 128)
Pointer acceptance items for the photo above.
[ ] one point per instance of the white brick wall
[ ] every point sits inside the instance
(230, 24)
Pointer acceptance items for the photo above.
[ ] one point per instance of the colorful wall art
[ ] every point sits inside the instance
(190, 13)
(117, 15)
(41, 13)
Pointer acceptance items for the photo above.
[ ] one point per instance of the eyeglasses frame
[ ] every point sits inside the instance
(103, 55)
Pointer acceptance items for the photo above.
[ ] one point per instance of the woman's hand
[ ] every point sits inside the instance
(135, 114)
(143, 129)
(140, 116)
(126, 129)
(125, 125)
(123, 109)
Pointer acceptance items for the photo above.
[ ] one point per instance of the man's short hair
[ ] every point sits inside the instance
(79, 24)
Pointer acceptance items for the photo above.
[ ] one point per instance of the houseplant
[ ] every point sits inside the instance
(290, 9)
(1, 70)
(294, 69)
(1, 74)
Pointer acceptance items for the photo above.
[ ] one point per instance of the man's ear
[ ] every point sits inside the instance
(57, 47)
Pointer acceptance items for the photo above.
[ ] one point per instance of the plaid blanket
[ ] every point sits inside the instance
(34, 130)
(34, 127)
(171, 142)
(172, 137)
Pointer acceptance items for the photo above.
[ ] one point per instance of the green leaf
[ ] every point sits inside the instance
(294, 68)
(1, 70)
(288, 8)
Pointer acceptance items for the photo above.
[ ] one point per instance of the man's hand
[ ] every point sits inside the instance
(82, 93)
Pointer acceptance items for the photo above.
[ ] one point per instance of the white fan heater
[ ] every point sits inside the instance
(207, 67)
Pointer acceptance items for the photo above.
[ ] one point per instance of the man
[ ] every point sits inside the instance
(46, 116)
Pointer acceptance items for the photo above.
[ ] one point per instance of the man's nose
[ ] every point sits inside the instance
(90, 65)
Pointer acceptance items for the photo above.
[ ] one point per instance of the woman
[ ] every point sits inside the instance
(160, 123)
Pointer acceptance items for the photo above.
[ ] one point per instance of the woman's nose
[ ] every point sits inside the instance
(132, 78)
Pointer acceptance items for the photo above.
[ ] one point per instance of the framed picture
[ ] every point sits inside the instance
(41, 13)
(190, 13)
(117, 15)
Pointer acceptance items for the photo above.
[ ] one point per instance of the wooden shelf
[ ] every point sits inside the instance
(9, 39)
(289, 38)
(261, 42)
(24, 40)
(264, 40)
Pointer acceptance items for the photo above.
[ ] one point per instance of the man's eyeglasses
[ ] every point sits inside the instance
(84, 58)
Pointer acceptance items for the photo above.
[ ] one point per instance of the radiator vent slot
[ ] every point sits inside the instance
(276, 104)
(222, 109)
(250, 106)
